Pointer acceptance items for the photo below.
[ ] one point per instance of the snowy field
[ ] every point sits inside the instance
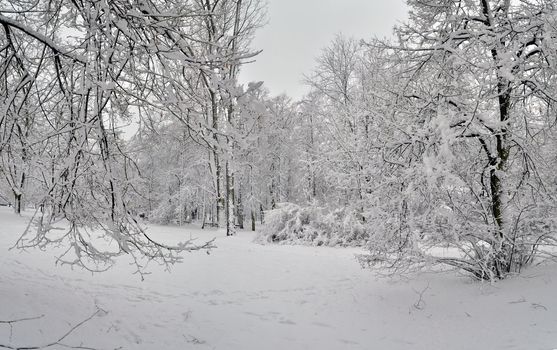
(248, 296)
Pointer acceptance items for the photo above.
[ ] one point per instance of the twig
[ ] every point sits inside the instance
(420, 304)
(56, 342)
(11, 322)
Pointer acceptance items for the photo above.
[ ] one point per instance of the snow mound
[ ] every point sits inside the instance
(290, 223)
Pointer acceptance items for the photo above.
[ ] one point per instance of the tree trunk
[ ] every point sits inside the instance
(230, 221)
(501, 260)
(240, 209)
(218, 170)
(17, 203)
(503, 249)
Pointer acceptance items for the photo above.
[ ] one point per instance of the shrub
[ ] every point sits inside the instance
(292, 224)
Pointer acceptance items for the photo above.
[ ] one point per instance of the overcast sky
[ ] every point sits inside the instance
(297, 30)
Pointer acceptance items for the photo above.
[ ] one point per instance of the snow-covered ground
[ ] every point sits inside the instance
(249, 296)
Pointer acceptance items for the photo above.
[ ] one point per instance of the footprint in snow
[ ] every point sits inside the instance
(286, 321)
(346, 341)
(321, 324)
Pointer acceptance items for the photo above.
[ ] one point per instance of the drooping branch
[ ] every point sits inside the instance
(42, 38)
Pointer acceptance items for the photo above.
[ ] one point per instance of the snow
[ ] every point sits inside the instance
(249, 296)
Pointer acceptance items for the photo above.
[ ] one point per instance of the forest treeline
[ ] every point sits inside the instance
(434, 147)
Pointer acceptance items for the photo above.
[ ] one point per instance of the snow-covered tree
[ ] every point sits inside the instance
(467, 146)
(80, 69)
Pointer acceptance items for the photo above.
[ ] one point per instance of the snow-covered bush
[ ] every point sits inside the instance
(293, 224)
(165, 213)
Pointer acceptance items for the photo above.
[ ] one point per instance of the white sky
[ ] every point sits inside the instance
(297, 30)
